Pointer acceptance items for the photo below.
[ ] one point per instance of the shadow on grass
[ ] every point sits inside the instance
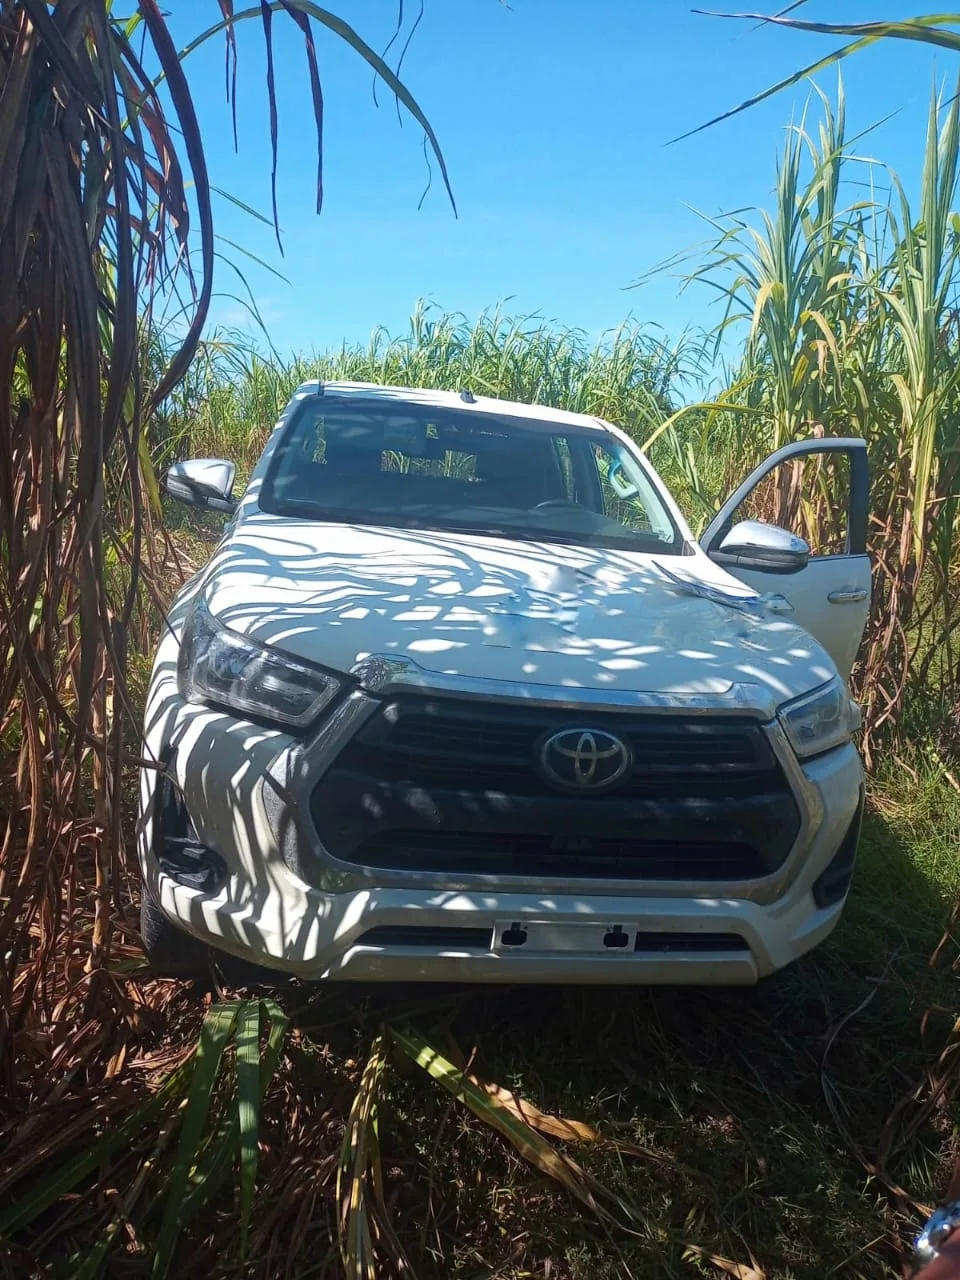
(751, 1099)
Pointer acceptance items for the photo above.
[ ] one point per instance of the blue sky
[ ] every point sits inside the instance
(553, 116)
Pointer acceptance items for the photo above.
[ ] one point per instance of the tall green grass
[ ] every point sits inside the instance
(848, 316)
(233, 395)
(845, 309)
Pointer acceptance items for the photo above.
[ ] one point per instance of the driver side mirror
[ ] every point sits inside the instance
(765, 547)
(206, 483)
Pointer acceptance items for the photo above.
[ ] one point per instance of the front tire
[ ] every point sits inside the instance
(171, 952)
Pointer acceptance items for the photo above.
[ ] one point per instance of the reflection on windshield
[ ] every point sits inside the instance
(437, 469)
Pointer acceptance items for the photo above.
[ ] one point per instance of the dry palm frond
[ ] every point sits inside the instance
(99, 147)
(92, 212)
(366, 1233)
(99, 143)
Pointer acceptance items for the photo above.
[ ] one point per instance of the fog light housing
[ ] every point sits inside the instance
(833, 883)
(176, 847)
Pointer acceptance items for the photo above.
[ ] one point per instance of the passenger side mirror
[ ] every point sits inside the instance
(765, 547)
(206, 483)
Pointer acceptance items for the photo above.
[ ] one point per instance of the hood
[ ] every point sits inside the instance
(487, 607)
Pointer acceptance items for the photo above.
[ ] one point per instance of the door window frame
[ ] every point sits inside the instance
(858, 512)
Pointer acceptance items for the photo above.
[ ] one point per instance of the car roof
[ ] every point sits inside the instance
(372, 392)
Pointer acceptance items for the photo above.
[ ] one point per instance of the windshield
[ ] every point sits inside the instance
(431, 468)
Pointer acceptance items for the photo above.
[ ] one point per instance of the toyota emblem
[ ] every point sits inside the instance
(584, 759)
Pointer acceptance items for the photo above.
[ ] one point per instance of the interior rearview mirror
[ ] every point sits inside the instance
(619, 483)
(203, 482)
(765, 547)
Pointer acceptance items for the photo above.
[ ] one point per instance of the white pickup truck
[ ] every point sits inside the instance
(460, 697)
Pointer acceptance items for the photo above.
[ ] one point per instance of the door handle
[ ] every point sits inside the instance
(848, 595)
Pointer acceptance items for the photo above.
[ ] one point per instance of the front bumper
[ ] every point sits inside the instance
(284, 903)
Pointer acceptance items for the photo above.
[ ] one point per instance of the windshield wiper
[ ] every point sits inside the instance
(435, 518)
(516, 531)
(691, 587)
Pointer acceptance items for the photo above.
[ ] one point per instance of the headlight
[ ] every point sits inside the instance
(219, 666)
(819, 721)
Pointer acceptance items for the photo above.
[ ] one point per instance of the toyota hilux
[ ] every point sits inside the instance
(459, 696)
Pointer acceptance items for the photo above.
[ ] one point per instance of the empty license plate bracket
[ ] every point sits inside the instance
(596, 937)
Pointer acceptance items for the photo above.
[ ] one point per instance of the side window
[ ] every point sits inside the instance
(808, 496)
(621, 500)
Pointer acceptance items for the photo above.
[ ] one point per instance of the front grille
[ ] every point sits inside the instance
(454, 787)
(448, 744)
(545, 855)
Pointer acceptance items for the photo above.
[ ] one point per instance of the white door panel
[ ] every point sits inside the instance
(830, 596)
(830, 599)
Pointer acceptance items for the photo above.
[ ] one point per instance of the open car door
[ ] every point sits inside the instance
(827, 592)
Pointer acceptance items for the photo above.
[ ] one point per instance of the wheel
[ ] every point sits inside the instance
(171, 952)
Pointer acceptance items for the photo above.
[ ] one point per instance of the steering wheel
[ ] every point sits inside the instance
(556, 502)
